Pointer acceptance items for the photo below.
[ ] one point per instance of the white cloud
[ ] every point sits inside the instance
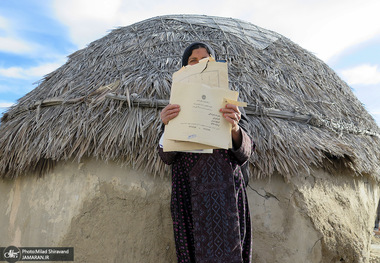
(9, 42)
(13, 72)
(87, 20)
(5, 104)
(362, 75)
(14, 45)
(323, 27)
(29, 73)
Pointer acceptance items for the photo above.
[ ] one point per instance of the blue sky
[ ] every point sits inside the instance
(36, 36)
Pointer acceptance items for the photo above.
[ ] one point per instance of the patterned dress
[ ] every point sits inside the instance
(209, 207)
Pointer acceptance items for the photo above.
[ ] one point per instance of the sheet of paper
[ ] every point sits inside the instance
(199, 120)
(235, 102)
(208, 72)
(211, 73)
(172, 145)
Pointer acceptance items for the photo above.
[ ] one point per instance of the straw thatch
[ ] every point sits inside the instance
(105, 102)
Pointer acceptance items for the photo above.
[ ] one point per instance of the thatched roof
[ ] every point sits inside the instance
(105, 102)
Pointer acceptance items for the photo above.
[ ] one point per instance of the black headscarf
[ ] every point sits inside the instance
(189, 50)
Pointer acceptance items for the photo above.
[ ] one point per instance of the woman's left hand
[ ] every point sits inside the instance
(232, 114)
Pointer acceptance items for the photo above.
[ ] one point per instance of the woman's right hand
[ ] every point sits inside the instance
(169, 112)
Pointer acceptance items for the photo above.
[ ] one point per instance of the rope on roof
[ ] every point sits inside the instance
(310, 119)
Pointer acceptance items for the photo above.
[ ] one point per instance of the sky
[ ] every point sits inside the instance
(36, 36)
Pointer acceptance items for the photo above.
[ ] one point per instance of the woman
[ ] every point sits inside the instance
(209, 205)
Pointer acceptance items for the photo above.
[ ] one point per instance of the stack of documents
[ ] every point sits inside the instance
(201, 91)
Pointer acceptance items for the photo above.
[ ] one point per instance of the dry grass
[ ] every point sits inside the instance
(105, 102)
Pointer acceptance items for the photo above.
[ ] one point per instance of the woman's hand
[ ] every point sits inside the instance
(169, 112)
(233, 115)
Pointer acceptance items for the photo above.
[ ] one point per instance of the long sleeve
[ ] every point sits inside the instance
(245, 150)
(167, 157)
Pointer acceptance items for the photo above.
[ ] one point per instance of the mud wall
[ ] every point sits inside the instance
(315, 218)
(110, 213)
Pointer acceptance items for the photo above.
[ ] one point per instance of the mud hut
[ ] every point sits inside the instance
(79, 163)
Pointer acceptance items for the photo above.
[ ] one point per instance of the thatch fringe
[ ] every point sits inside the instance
(105, 102)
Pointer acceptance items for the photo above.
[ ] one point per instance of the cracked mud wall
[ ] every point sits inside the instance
(106, 212)
(316, 218)
(110, 213)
